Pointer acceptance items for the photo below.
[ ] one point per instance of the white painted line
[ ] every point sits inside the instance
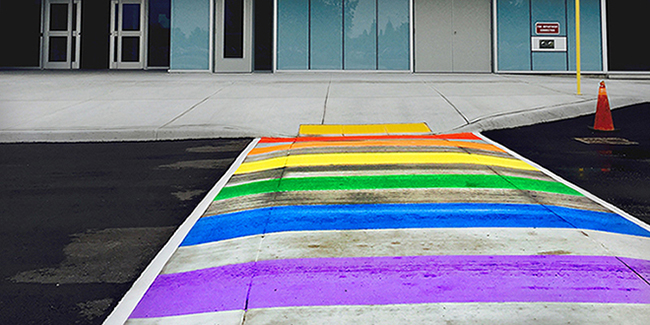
(569, 184)
(131, 299)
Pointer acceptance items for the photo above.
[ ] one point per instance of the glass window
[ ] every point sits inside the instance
(190, 38)
(263, 35)
(344, 34)
(293, 35)
(158, 33)
(360, 34)
(233, 44)
(326, 35)
(58, 17)
(130, 49)
(74, 17)
(58, 49)
(394, 35)
(131, 16)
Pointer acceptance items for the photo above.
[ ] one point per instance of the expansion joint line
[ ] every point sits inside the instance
(633, 270)
(538, 202)
(467, 122)
(192, 107)
(263, 235)
(531, 197)
(327, 96)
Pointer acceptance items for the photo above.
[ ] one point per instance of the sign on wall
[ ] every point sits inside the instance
(547, 28)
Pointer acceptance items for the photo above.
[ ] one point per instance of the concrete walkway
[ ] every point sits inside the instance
(126, 105)
(387, 229)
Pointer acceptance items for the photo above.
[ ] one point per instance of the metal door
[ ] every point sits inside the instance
(61, 34)
(234, 36)
(471, 34)
(452, 36)
(433, 37)
(127, 48)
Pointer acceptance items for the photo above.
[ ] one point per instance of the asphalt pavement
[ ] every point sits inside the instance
(81, 221)
(614, 166)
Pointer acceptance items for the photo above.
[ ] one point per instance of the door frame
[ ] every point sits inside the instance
(116, 34)
(73, 34)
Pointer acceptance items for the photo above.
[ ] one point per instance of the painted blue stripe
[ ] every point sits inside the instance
(392, 216)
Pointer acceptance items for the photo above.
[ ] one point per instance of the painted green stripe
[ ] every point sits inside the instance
(393, 181)
(400, 195)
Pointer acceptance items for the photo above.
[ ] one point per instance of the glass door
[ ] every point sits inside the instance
(61, 34)
(234, 25)
(127, 34)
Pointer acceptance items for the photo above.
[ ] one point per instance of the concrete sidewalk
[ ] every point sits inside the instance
(127, 105)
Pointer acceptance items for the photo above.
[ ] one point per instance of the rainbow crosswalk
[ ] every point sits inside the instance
(398, 228)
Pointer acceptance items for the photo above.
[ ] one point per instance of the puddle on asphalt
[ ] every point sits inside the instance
(607, 140)
(115, 255)
(200, 164)
(233, 146)
(187, 195)
(94, 308)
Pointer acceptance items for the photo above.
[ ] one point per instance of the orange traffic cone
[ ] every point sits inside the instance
(603, 120)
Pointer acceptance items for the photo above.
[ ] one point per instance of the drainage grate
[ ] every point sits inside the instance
(612, 141)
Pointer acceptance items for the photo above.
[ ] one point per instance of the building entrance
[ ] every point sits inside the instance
(61, 34)
(102, 34)
(127, 34)
(234, 24)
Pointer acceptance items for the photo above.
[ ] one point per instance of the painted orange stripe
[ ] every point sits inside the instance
(377, 143)
(455, 136)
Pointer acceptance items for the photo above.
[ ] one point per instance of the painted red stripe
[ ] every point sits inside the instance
(455, 136)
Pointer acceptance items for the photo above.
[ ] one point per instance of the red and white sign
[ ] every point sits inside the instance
(547, 28)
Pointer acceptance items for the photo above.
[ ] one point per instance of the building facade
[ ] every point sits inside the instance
(502, 36)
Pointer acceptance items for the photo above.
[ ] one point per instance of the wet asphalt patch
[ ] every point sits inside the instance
(614, 166)
(82, 220)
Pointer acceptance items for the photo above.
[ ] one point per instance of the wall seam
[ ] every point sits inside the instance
(309, 37)
(343, 34)
(566, 23)
(530, 32)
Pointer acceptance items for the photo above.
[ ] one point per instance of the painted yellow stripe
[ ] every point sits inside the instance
(320, 129)
(402, 128)
(387, 158)
(378, 143)
(407, 128)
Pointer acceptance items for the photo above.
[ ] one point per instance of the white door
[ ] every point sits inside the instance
(127, 34)
(61, 34)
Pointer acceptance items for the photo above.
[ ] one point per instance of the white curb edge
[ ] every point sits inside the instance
(569, 184)
(127, 304)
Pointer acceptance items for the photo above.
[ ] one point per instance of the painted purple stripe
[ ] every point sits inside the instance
(202, 291)
(395, 280)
